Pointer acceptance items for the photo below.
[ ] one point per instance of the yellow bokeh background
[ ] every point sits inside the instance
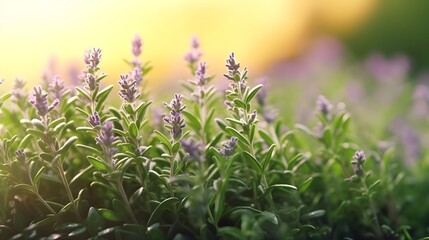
(34, 33)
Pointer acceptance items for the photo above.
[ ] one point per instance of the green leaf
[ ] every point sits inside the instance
(268, 156)
(102, 95)
(314, 214)
(283, 187)
(239, 103)
(91, 149)
(305, 130)
(132, 129)
(63, 149)
(56, 122)
(192, 121)
(36, 178)
(94, 221)
(305, 185)
(264, 135)
(270, 217)
(24, 142)
(5, 96)
(110, 215)
(83, 93)
(100, 165)
(252, 93)
(35, 132)
(221, 124)
(231, 233)
(24, 187)
(78, 232)
(120, 209)
(253, 162)
(374, 185)
(164, 140)
(237, 134)
(167, 204)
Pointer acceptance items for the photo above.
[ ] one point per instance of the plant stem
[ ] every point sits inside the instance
(373, 211)
(68, 190)
(127, 203)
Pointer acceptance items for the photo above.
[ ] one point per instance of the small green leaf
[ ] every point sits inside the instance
(24, 142)
(268, 156)
(35, 132)
(100, 165)
(270, 217)
(237, 134)
(305, 185)
(193, 122)
(253, 162)
(163, 139)
(239, 103)
(63, 149)
(36, 178)
(252, 93)
(374, 185)
(305, 130)
(221, 124)
(94, 221)
(24, 187)
(91, 149)
(314, 214)
(102, 95)
(120, 209)
(83, 93)
(283, 187)
(110, 215)
(231, 233)
(167, 204)
(132, 129)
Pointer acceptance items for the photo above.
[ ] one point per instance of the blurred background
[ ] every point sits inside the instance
(372, 55)
(39, 36)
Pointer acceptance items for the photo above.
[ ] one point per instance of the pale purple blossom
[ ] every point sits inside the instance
(92, 58)
(137, 75)
(385, 69)
(233, 68)
(229, 147)
(192, 148)
(136, 45)
(105, 139)
(200, 74)
(94, 119)
(358, 162)
(324, 107)
(40, 102)
(56, 87)
(194, 53)
(128, 90)
(175, 121)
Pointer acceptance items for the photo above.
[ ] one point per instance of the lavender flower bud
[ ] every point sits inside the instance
(56, 87)
(136, 45)
(20, 154)
(194, 53)
(40, 102)
(106, 137)
(94, 119)
(17, 90)
(252, 117)
(357, 162)
(261, 97)
(92, 58)
(229, 147)
(232, 67)
(136, 74)
(191, 147)
(175, 121)
(324, 106)
(128, 90)
(200, 74)
(91, 81)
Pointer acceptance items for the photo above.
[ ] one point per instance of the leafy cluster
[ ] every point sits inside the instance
(73, 166)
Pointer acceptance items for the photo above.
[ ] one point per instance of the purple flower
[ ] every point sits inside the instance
(106, 138)
(357, 162)
(136, 45)
(17, 90)
(94, 119)
(91, 81)
(56, 87)
(175, 121)
(191, 147)
(200, 74)
(324, 106)
(233, 68)
(40, 102)
(229, 147)
(137, 75)
(384, 69)
(92, 58)
(194, 53)
(128, 90)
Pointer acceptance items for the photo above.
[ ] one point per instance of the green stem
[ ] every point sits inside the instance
(373, 211)
(125, 200)
(68, 190)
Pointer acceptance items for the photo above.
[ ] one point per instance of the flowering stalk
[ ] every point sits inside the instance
(40, 103)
